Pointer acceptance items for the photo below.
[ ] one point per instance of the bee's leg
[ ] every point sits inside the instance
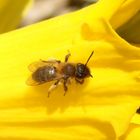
(79, 81)
(67, 56)
(52, 87)
(50, 61)
(69, 81)
(65, 86)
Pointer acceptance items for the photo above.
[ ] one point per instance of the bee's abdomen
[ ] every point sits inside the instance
(44, 74)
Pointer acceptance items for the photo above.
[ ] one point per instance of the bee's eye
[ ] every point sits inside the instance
(81, 71)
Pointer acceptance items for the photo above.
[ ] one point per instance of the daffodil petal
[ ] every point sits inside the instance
(136, 119)
(103, 9)
(128, 9)
(22, 96)
(39, 117)
(11, 13)
(75, 19)
(133, 130)
(132, 133)
(130, 31)
(106, 100)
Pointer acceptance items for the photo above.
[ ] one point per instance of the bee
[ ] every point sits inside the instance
(138, 111)
(54, 70)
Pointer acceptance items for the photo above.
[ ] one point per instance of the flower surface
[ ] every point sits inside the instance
(101, 109)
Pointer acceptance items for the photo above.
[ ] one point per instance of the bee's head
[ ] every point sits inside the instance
(82, 71)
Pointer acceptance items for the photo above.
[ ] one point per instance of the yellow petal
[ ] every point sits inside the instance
(38, 117)
(128, 9)
(131, 31)
(136, 119)
(133, 133)
(101, 108)
(11, 13)
(103, 9)
(133, 130)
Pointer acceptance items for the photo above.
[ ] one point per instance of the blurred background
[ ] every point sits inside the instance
(45, 9)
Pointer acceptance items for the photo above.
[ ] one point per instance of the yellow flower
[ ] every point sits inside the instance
(99, 109)
(133, 130)
(11, 13)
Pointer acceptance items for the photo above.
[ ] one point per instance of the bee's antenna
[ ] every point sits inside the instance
(89, 57)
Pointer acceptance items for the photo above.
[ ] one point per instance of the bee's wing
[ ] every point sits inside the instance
(35, 65)
(32, 82)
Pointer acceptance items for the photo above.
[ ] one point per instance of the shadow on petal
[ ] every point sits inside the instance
(105, 128)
